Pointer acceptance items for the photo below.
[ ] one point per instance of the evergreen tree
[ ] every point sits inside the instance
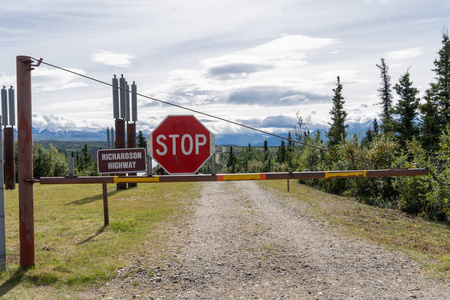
(406, 109)
(231, 163)
(376, 128)
(290, 143)
(266, 148)
(77, 159)
(282, 153)
(371, 133)
(337, 132)
(430, 125)
(250, 153)
(442, 70)
(267, 157)
(290, 150)
(86, 157)
(141, 141)
(436, 110)
(385, 94)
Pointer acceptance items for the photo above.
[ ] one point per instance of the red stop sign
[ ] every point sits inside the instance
(181, 144)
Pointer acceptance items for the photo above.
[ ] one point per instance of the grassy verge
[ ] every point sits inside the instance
(425, 241)
(73, 248)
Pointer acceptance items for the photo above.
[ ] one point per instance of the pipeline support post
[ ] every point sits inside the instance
(10, 164)
(131, 143)
(25, 161)
(120, 143)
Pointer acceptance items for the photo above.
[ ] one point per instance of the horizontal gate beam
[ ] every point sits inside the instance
(232, 177)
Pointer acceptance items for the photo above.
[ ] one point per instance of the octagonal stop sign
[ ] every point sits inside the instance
(181, 144)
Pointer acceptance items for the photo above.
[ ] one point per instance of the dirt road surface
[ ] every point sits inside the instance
(244, 242)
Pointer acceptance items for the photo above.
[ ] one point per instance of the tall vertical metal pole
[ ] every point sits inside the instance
(134, 117)
(113, 141)
(4, 106)
(10, 164)
(127, 102)
(120, 143)
(116, 112)
(25, 160)
(12, 109)
(108, 142)
(122, 86)
(2, 211)
(131, 143)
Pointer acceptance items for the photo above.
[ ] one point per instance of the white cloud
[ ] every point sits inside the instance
(404, 54)
(45, 79)
(56, 121)
(112, 59)
(52, 121)
(286, 51)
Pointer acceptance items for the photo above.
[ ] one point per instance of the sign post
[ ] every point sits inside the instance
(181, 144)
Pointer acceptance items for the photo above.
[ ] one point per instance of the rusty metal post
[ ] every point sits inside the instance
(120, 143)
(25, 160)
(105, 203)
(10, 162)
(131, 143)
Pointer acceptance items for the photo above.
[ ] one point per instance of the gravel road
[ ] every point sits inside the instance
(243, 242)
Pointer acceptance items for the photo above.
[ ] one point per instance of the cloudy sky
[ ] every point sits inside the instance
(258, 62)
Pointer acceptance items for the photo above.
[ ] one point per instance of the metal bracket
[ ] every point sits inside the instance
(38, 62)
(30, 62)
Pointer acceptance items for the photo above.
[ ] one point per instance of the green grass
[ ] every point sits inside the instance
(425, 241)
(73, 247)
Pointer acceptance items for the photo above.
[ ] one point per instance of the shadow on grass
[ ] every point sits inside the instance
(100, 231)
(92, 199)
(12, 282)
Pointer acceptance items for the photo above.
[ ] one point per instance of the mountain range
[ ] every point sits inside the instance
(238, 139)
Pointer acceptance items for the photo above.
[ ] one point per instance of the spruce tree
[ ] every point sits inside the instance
(141, 141)
(282, 152)
(337, 132)
(430, 126)
(436, 110)
(385, 94)
(371, 133)
(267, 157)
(231, 163)
(376, 128)
(406, 109)
(442, 70)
